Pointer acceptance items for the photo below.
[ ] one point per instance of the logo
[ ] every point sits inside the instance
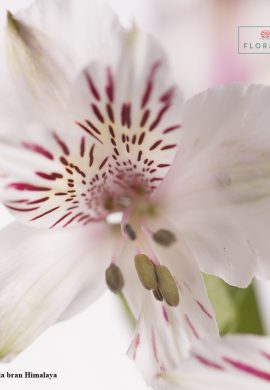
(254, 39)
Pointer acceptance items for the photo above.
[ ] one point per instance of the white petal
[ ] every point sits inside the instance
(48, 45)
(234, 362)
(129, 101)
(217, 193)
(43, 275)
(164, 334)
(51, 180)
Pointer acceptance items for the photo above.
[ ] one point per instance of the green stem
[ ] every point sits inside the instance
(127, 309)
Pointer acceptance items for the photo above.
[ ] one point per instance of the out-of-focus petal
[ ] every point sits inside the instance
(217, 193)
(44, 277)
(48, 45)
(234, 362)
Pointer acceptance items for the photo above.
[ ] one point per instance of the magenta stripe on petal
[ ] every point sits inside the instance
(208, 362)
(27, 187)
(248, 369)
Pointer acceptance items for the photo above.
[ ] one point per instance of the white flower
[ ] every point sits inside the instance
(103, 153)
(232, 362)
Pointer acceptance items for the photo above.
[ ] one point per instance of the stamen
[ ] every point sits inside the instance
(167, 286)
(130, 232)
(114, 278)
(146, 272)
(157, 294)
(164, 237)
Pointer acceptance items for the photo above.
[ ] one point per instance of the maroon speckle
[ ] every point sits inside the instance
(46, 212)
(141, 138)
(126, 115)
(163, 165)
(167, 147)
(49, 176)
(111, 131)
(149, 84)
(92, 86)
(39, 200)
(82, 126)
(38, 149)
(97, 113)
(110, 112)
(172, 128)
(166, 98)
(155, 145)
(27, 187)
(145, 117)
(110, 86)
(72, 219)
(61, 143)
(60, 220)
(103, 163)
(159, 117)
(82, 147)
(93, 127)
(91, 155)
(22, 210)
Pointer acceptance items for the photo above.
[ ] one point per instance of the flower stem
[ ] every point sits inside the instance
(127, 309)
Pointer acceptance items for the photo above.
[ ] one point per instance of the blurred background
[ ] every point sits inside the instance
(200, 38)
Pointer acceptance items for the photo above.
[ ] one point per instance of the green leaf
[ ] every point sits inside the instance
(236, 308)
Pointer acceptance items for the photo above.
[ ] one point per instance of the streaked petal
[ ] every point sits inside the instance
(235, 362)
(43, 275)
(164, 334)
(51, 180)
(129, 102)
(217, 194)
(48, 45)
(104, 152)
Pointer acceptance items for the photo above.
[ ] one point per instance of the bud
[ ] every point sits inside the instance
(130, 232)
(157, 294)
(164, 237)
(114, 278)
(146, 271)
(167, 286)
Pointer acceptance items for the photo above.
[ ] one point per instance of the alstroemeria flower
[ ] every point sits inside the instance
(67, 178)
(234, 362)
(108, 155)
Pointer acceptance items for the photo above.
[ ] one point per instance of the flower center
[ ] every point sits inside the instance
(152, 275)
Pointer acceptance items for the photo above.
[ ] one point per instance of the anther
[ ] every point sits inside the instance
(167, 286)
(157, 294)
(130, 232)
(164, 237)
(146, 272)
(114, 278)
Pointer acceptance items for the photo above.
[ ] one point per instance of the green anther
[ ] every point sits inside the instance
(157, 294)
(146, 271)
(164, 237)
(167, 286)
(114, 278)
(130, 232)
